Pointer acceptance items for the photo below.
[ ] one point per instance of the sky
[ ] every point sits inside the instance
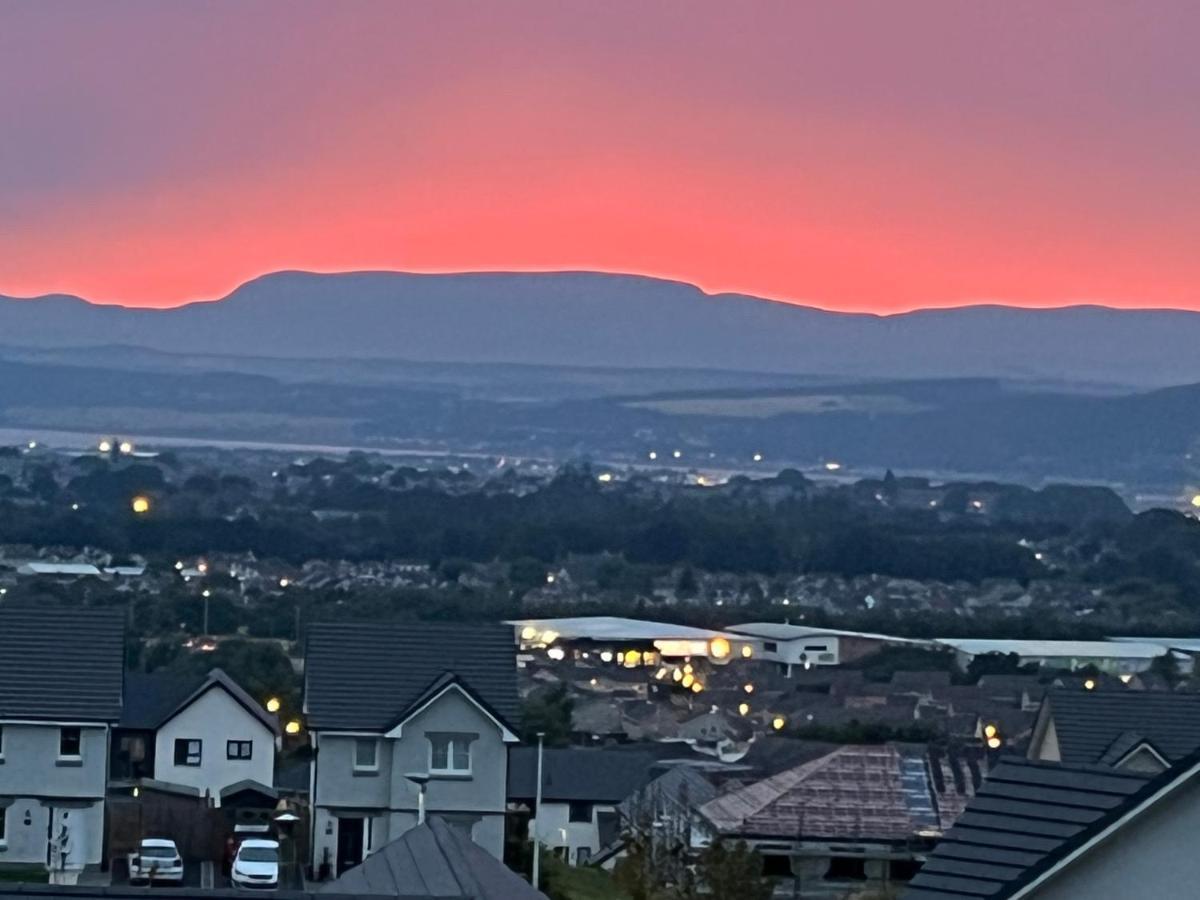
(870, 156)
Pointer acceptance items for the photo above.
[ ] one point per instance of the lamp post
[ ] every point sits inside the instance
(421, 780)
(537, 812)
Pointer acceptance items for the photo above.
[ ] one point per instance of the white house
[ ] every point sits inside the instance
(207, 734)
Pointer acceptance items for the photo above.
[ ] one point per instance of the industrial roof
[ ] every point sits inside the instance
(615, 628)
(61, 665)
(1087, 723)
(1026, 818)
(368, 676)
(585, 775)
(782, 631)
(437, 860)
(1083, 649)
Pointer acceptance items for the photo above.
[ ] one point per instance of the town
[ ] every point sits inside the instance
(238, 669)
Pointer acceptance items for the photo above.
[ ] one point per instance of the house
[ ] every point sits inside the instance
(202, 732)
(60, 696)
(798, 646)
(1144, 730)
(860, 815)
(581, 790)
(434, 859)
(1063, 831)
(407, 720)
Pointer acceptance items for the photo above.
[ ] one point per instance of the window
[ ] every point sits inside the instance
(188, 751)
(239, 749)
(450, 753)
(366, 754)
(846, 868)
(579, 812)
(818, 648)
(770, 646)
(69, 743)
(582, 855)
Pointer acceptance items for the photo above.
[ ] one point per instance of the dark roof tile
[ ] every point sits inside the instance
(368, 675)
(61, 664)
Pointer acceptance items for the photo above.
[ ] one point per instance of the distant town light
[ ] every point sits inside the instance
(292, 727)
(606, 656)
(104, 446)
(75, 507)
(179, 565)
(676, 675)
(1125, 678)
(549, 578)
(977, 504)
(660, 674)
(697, 687)
(1196, 501)
(719, 648)
(284, 582)
(528, 633)
(605, 477)
(687, 669)
(653, 454)
(744, 708)
(832, 466)
(206, 593)
(677, 453)
(202, 567)
(1089, 684)
(778, 722)
(592, 682)
(747, 651)
(32, 445)
(273, 705)
(549, 636)
(126, 447)
(556, 653)
(758, 457)
(994, 743)
(748, 688)
(688, 680)
(141, 505)
(632, 659)
(989, 731)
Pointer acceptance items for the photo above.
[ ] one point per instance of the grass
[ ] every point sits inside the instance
(23, 873)
(563, 882)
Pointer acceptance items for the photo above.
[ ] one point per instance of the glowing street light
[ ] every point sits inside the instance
(688, 680)
(677, 453)
(758, 457)
(744, 708)
(140, 505)
(748, 688)
(126, 447)
(719, 648)
(832, 466)
(284, 582)
(653, 454)
(104, 446)
(1196, 501)
(1090, 684)
(747, 651)
(292, 727)
(273, 705)
(778, 722)
(528, 633)
(697, 687)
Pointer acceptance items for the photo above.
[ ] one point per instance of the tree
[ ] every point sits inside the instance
(548, 712)
(686, 585)
(733, 871)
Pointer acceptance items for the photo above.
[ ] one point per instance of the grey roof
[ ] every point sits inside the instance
(436, 859)
(1087, 723)
(595, 776)
(152, 699)
(1026, 817)
(61, 665)
(370, 675)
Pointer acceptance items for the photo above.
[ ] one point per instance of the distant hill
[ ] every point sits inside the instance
(592, 319)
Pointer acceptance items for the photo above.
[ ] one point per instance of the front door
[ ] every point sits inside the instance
(349, 843)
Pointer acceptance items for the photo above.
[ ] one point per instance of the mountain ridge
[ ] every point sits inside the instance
(622, 320)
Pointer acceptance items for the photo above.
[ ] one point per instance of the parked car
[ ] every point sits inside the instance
(156, 859)
(256, 864)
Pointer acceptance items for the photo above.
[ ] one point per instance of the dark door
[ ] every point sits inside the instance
(349, 844)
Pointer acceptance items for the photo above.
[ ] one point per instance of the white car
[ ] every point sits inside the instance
(256, 864)
(156, 859)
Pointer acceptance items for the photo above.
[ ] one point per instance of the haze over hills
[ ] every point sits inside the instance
(593, 319)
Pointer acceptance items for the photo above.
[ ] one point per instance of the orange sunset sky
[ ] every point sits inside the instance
(862, 156)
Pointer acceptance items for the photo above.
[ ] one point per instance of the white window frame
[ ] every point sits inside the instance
(361, 767)
(1, 755)
(70, 757)
(452, 740)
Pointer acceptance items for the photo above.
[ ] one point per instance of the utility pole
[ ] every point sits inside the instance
(537, 814)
